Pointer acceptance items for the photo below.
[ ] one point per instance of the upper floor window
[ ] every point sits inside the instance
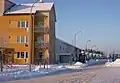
(26, 39)
(23, 24)
(22, 39)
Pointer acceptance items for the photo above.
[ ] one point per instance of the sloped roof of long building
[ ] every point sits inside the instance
(25, 8)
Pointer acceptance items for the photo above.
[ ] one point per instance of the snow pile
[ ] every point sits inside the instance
(78, 64)
(116, 63)
(61, 66)
(36, 68)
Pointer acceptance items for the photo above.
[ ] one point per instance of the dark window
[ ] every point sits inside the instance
(19, 24)
(18, 54)
(26, 23)
(22, 23)
(22, 39)
(22, 54)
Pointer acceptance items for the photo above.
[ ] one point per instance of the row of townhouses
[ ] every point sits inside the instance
(27, 34)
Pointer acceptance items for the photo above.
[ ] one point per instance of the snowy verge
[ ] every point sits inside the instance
(19, 72)
(116, 63)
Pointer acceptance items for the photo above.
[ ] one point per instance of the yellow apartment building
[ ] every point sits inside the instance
(28, 32)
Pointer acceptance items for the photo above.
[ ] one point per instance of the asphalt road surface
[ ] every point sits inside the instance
(92, 74)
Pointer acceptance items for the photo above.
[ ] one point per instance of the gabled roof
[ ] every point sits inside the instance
(25, 8)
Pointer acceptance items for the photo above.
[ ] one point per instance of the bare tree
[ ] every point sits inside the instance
(3, 45)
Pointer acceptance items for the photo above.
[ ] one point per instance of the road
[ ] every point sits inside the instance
(93, 74)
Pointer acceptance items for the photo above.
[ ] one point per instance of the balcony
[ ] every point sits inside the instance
(42, 30)
(41, 45)
(39, 29)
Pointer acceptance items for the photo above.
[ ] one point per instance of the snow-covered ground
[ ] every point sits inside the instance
(22, 71)
(116, 63)
(92, 74)
(19, 72)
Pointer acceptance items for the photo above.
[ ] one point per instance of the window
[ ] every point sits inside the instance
(26, 39)
(26, 54)
(18, 39)
(18, 54)
(22, 39)
(19, 25)
(26, 23)
(22, 24)
(22, 54)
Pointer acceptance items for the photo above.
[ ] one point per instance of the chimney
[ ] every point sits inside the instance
(2, 3)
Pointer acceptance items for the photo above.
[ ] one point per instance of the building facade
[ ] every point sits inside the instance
(65, 52)
(30, 33)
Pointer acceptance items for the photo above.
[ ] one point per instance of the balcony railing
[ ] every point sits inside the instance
(41, 45)
(44, 30)
(39, 29)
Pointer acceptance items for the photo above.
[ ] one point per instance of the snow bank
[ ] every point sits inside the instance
(116, 63)
(61, 66)
(78, 64)
(19, 72)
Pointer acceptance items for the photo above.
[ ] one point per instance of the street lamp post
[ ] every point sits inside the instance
(87, 48)
(75, 43)
(31, 34)
(87, 43)
(93, 47)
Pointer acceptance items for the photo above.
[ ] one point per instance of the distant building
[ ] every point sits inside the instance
(65, 52)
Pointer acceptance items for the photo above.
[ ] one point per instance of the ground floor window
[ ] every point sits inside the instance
(22, 54)
(18, 54)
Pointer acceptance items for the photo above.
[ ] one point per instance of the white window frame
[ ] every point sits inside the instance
(26, 39)
(21, 39)
(19, 55)
(25, 52)
(25, 24)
